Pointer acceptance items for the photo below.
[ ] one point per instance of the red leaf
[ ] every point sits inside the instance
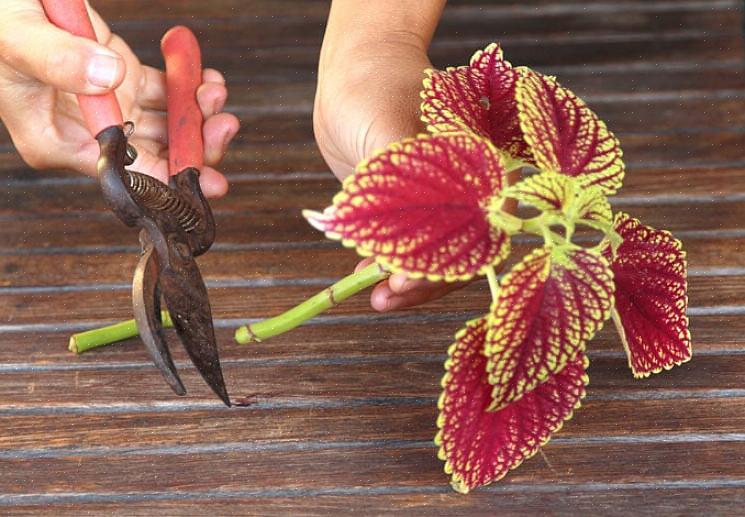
(651, 297)
(420, 207)
(564, 135)
(548, 307)
(481, 446)
(479, 97)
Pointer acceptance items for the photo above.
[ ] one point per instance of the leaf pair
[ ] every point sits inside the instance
(526, 115)
(515, 376)
(480, 446)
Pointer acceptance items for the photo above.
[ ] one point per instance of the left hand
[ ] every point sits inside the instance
(367, 98)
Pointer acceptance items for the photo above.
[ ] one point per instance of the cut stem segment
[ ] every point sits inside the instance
(313, 306)
(84, 341)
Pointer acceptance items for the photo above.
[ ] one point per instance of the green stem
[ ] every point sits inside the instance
(84, 341)
(491, 275)
(311, 307)
(541, 226)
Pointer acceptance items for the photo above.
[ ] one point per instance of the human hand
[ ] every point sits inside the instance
(368, 97)
(42, 67)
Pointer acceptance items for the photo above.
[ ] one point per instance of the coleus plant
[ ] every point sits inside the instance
(434, 207)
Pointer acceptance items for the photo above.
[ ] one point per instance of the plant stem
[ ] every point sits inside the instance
(311, 307)
(491, 275)
(84, 341)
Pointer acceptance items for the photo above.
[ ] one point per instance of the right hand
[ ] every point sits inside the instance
(42, 67)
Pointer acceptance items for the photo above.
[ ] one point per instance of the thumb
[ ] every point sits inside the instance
(30, 44)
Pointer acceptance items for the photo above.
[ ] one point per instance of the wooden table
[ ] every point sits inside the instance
(338, 417)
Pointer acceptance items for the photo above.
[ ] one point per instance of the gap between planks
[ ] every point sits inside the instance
(330, 445)
(183, 406)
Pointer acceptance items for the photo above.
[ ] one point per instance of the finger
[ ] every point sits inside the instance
(153, 126)
(419, 296)
(30, 44)
(211, 98)
(84, 160)
(210, 75)
(363, 264)
(381, 296)
(400, 283)
(213, 183)
(152, 162)
(151, 93)
(218, 131)
(384, 299)
(149, 160)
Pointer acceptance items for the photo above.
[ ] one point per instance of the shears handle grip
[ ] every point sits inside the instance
(99, 111)
(183, 77)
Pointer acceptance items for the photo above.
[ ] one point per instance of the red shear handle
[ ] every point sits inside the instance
(183, 76)
(99, 111)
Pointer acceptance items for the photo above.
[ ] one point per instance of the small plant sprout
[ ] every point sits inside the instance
(435, 207)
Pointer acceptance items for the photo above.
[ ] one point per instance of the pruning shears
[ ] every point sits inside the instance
(175, 220)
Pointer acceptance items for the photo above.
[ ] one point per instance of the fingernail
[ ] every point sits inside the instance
(103, 70)
(399, 282)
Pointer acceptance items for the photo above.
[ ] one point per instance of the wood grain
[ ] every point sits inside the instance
(614, 499)
(336, 382)
(337, 417)
(372, 468)
(243, 302)
(706, 251)
(362, 339)
(123, 432)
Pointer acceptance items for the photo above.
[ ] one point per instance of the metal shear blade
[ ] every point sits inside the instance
(146, 303)
(190, 313)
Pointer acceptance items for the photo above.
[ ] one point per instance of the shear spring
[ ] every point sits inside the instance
(154, 195)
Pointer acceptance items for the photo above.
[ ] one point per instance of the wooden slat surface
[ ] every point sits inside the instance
(338, 417)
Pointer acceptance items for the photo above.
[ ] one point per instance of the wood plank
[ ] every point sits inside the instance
(615, 499)
(143, 11)
(364, 467)
(65, 433)
(683, 78)
(300, 63)
(70, 269)
(38, 195)
(643, 121)
(479, 22)
(335, 382)
(70, 307)
(352, 341)
(640, 151)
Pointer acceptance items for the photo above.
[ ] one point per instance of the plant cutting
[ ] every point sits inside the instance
(435, 207)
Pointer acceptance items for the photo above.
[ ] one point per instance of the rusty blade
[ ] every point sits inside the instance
(146, 303)
(186, 297)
